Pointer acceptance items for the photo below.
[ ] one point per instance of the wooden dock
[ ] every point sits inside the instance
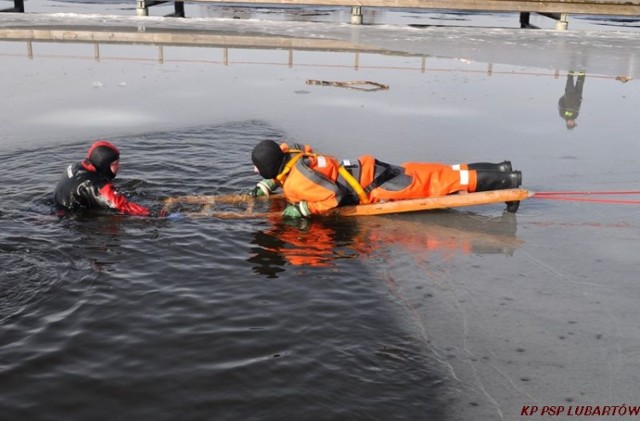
(556, 9)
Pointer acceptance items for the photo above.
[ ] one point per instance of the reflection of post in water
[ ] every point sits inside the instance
(569, 103)
(321, 242)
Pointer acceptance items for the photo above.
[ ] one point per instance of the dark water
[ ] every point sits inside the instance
(114, 317)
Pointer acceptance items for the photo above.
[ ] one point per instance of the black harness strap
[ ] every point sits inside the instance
(389, 172)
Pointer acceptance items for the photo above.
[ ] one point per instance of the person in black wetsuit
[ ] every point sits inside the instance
(88, 184)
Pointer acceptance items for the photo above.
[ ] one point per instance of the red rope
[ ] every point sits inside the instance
(570, 196)
(585, 193)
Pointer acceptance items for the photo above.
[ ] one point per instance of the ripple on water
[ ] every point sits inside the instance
(27, 273)
(146, 318)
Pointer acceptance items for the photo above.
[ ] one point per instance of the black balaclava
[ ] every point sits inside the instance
(101, 155)
(268, 158)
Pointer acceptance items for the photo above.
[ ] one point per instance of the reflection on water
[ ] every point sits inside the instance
(138, 314)
(321, 242)
(116, 80)
(569, 103)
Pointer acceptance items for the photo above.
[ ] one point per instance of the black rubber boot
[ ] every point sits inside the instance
(497, 180)
(504, 166)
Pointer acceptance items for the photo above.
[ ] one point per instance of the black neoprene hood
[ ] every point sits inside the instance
(101, 155)
(268, 158)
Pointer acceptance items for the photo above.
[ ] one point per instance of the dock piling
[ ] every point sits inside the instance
(18, 7)
(563, 22)
(141, 8)
(356, 15)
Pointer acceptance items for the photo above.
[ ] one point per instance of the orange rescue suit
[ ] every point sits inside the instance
(317, 179)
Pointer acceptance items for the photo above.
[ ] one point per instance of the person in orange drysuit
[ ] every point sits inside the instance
(314, 183)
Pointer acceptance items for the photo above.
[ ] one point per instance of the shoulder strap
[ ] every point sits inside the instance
(299, 153)
(353, 183)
